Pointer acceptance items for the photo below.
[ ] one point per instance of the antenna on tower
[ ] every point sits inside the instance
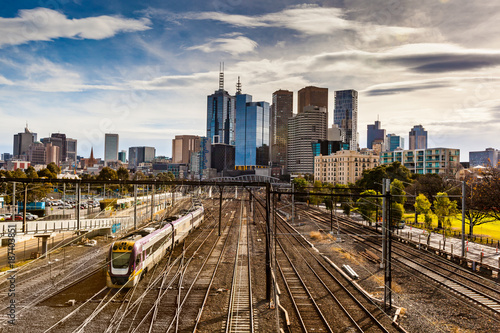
(221, 76)
(238, 87)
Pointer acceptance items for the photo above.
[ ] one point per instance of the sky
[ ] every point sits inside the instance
(143, 69)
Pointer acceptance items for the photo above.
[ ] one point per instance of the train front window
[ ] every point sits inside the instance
(121, 259)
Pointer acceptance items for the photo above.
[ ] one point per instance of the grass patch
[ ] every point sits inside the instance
(316, 235)
(16, 265)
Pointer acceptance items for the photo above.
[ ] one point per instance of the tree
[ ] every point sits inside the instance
(316, 199)
(107, 174)
(398, 191)
(122, 174)
(368, 206)
(397, 212)
(46, 173)
(18, 173)
(138, 175)
(372, 178)
(423, 206)
(444, 208)
(300, 185)
(479, 208)
(54, 168)
(31, 172)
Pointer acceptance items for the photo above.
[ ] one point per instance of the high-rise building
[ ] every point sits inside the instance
(122, 156)
(304, 129)
(346, 116)
(252, 133)
(374, 133)
(221, 115)
(137, 155)
(52, 153)
(110, 147)
(222, 157)
(487, 158)
(312, 96)
(36, 153)
(71, 146)
(6, 157)
(394, 142)
(60, 141)
(418, 138)
(183, 146)
(281, 111)
(200, 160)
(22, 142)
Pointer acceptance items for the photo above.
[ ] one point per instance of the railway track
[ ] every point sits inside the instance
(240, 317)
(353, 311)
(457, 279)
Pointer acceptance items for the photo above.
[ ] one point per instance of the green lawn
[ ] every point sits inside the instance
(489, 230)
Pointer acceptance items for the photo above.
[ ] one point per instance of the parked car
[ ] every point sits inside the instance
(7, 217)
(31, 217)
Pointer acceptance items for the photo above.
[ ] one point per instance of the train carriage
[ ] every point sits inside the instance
(130, 258)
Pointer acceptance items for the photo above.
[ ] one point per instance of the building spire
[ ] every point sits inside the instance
(221, 76)
(238, 87)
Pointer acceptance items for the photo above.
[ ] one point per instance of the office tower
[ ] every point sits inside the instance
(418, 138)
(222, 157)
(312, 96)
(486, 158)
(110, 147)
(345, 115)
(137, 155)
(221, 115)
(52, 153)
(281, 111)
(6, 157)
(375, 133)
(36, 153)
(200, 160)
(183, 146)
(252, 133)
(71, 146)
(60, 141)
(394, 142)
(304, 129)
(22, 142)
(122, 156)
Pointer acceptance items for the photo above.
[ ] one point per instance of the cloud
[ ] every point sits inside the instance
(235, 46)
(43, 24)
(307, 20)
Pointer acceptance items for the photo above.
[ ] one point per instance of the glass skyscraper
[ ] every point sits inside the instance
(418, 138)
(345, 115)
(252, 133)
(374, 133)
(221, 115)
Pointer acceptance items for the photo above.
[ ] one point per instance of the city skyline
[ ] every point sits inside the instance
(144, 70)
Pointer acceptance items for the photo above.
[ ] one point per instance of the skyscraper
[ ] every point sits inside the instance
(252, 132)
(221, 115)
(110, 147)
(60, 141)
(418, 138)
(281, 111)
(304, 129)
(374, 133)
(183, 146)
(345, 115)
(312, 96)
(22, 142)
(137, 155)
(395, 141)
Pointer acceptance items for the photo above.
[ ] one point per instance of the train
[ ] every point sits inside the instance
(130, 258)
